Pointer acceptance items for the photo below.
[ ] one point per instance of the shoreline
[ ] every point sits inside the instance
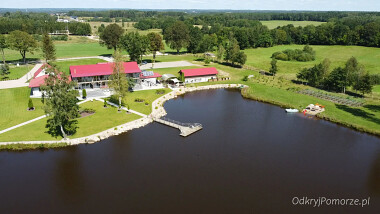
(157, 111)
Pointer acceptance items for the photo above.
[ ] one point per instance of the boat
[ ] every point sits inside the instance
(291, 110)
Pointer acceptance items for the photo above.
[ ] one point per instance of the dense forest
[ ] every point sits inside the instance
(38, 23)
(342, 29)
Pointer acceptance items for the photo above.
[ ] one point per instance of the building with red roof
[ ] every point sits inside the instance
(97, 75)
(196, 75)
(38, 80)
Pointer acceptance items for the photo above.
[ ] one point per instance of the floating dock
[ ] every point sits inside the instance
(185, 128)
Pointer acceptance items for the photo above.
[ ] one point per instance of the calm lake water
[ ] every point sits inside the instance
(250, 157)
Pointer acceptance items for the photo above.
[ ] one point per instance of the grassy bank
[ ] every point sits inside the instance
(148, 96)
(18, 147)
(103, 119)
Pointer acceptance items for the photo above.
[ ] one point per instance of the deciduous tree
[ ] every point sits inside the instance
(155, 44)
(118, 80)
(110, 37)
(60, 103)
(177, 36)
(22, 42)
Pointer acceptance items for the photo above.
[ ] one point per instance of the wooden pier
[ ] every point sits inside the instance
(185, 128)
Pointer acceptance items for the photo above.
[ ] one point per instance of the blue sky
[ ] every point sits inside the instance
(356, 5)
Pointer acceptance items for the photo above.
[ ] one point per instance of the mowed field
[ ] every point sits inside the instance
(261, 57)
(272, 24)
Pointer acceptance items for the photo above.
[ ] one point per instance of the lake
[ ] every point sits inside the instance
(250, 157)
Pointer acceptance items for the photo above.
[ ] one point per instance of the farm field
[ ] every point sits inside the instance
(260, 58)
(272, 24)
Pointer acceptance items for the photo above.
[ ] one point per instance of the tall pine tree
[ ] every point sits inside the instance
(48, 49)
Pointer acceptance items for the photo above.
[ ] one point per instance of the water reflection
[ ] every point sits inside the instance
(374, 177)
(69, 175)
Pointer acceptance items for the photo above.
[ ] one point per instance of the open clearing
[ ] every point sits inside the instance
(261, 57)
(275, 23)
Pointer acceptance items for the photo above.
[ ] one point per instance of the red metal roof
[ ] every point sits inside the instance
(37, 82)
(199, 72)
(41, 69)
(101, 69)
(155, 75)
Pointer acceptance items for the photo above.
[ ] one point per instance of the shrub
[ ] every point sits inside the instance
(160, 91)
(146, 103)
(139, 100)
(207, 61)
(245, 78)
(114, 99)
(30, 104)
(84, 93)
(87, 110)
(105, 102)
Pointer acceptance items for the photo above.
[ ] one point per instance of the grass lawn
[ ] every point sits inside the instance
(338, 55)
(275, 23)
(76, 46)
(103, 119)
(14, 104)
(173, 70)
(148, 95)
(17, 72)
(65, 65)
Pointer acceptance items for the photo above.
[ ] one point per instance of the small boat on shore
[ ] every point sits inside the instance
(291, 110)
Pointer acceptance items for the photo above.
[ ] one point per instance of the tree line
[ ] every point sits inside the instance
(38, 23)
(363, 30)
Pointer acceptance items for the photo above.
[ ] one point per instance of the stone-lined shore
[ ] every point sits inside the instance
(157, 112)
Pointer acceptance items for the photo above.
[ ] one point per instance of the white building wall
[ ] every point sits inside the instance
(199, 79)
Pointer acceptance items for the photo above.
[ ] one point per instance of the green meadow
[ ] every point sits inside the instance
(272, 24)
(261, 57)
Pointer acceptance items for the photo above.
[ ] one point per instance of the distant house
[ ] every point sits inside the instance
(38, 80)
(98, 75)
(198, 74)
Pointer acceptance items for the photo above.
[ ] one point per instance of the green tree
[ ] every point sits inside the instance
(196, 36)
(336, 80)
(30, 104)
(351, 71)
(118, 81)
(110, 37)
(208, 43)
(364, 84)
(60, 103)
(22, 42)
(232, 50)
(220, 53)
(3, 45)
(273, 67)
(48, 49)
(84, 93)
(136, 45)
(155, 45)
(177, 36)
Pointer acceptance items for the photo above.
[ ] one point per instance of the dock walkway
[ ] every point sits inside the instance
(185, 128)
